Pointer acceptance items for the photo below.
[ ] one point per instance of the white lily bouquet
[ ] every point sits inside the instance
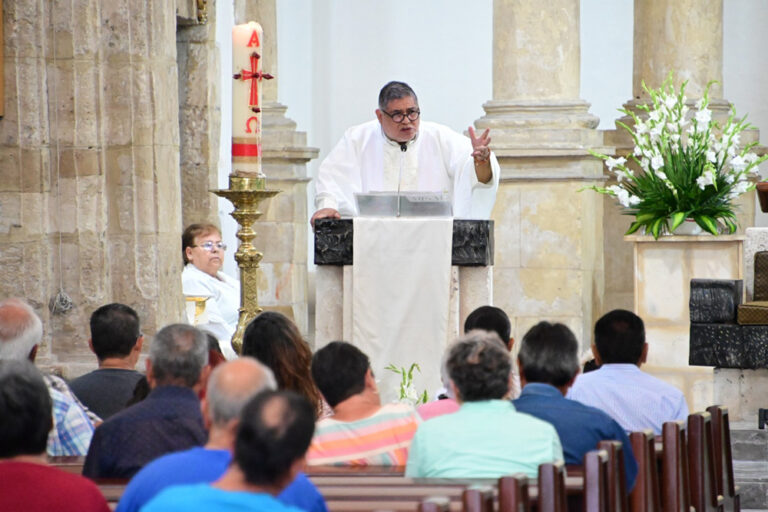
(684, 165)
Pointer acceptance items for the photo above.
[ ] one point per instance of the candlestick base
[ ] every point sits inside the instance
(246, 193)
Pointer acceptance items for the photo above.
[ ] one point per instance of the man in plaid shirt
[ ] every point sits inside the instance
(20, 333)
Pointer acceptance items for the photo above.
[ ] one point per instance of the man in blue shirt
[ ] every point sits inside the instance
(230, 387)
(549, 363)
(167, 420)
(272, 439)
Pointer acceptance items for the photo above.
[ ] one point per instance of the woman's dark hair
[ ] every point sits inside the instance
(276, 341)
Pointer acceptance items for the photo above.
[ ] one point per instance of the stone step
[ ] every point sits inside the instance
(749, 447)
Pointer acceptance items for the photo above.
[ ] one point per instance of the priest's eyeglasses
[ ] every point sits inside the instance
(398, 117)
(208, 246)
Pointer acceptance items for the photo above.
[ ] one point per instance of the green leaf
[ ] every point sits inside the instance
(656, 227)
(677, 219)
(706, 222)
(633, 228)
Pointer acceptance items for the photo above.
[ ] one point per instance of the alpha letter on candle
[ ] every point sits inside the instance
(246, 99)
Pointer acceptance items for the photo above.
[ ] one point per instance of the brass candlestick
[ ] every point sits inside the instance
(246, 194)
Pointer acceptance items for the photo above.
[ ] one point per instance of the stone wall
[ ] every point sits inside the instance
(89, 182)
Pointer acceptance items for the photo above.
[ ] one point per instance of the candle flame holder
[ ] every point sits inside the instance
(246, 193)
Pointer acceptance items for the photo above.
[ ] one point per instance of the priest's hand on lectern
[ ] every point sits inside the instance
(324, 213)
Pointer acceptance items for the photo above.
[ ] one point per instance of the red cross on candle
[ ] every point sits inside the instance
(254, 75)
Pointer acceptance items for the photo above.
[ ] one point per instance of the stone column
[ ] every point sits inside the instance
(89, 186)
(282, 232)
(548, 234)
(199, 115)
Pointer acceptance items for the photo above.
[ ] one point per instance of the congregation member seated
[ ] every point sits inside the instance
(272, 439)
(167, 420)
(26, 482)
(361, 430)
(486, 318)
(203, 254)
(20, 334)
(487, 437)
(549, 363)
(116, 340)
(619, 387)
(230, 386)
(274, 339)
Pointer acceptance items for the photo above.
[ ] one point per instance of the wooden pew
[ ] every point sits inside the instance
(70, 464)
(435, 504)
(645, 495)
(675, 490)
(617, 476)
(721, 436)
(551, 492)
(513, 493)
(596, 496)
(701, 467)
(478, 499)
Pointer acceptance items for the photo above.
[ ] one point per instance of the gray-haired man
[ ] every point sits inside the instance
(168, 420)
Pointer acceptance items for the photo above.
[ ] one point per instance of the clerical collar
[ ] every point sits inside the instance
(399, 144)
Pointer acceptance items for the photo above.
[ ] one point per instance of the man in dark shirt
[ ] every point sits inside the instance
(549, 363)
(116, 340)
(168, 420)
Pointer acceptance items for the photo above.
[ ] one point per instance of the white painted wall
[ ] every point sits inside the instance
(334, 56)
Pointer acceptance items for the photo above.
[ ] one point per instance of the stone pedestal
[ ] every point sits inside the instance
(663, 270)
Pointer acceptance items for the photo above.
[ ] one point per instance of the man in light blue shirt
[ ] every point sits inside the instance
(633, 398)
(487, 437)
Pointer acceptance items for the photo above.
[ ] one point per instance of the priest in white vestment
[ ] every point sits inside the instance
(398, 151)
(399, 308)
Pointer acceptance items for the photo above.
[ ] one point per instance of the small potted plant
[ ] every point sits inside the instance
(684, 165)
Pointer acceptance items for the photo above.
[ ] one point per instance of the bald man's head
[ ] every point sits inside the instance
(232, 385)
(20, 330)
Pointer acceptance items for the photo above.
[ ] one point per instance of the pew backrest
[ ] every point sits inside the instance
(596, 497)
(645, 495)
(675, 491)
(723, 458)
(701, 468)
(617, 476)
(551, 493)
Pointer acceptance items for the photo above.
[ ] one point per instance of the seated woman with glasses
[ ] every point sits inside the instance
(203, 253)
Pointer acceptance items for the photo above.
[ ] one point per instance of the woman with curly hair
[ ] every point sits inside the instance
(274, 339)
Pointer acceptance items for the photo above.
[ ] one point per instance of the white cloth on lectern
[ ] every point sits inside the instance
(438, 160)
(221, 306)
(401, 283)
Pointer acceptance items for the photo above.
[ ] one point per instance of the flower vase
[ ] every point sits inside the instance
(689, 227)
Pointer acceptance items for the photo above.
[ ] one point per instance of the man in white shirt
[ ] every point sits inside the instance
(399, 152)
(635, 399)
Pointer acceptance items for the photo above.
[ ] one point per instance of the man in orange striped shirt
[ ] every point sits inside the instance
(361, 430)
